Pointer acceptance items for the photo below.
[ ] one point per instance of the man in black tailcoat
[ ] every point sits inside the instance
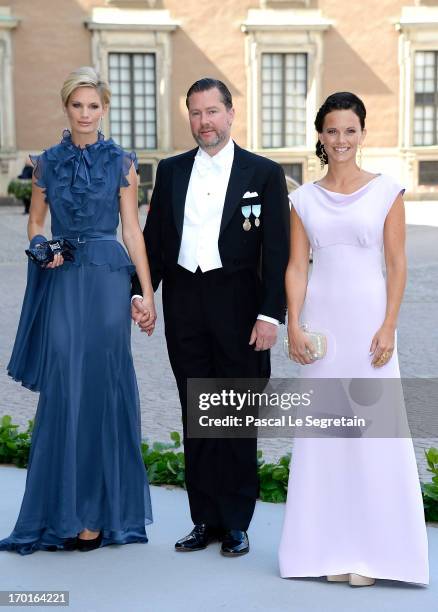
(217, 236)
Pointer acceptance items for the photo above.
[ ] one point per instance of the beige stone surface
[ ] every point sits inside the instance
(360, 52)
(209, 43)
(361, 55)
(50, 41)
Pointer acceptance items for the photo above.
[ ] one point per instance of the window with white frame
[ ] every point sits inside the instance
(137, 42)
(283, 99)
(284, 51)
(133, 110)
(426, 98)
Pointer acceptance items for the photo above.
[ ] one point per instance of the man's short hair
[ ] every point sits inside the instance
(207, 83)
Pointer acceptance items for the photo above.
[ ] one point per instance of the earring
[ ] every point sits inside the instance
(359, 161)
(99, 129)
(323, 158)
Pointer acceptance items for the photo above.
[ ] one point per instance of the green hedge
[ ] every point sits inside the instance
(165, 465)
(21, 189)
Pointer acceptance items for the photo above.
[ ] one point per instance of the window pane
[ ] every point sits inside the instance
(150, 88)
(150, 142)
(150, 61)
(125, 141)
(139, 89)
(428, 174)
(124, 60)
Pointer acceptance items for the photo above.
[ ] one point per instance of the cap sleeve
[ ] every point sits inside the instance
(128, 159)
(393, 190)
(39, 165)
(295, 201)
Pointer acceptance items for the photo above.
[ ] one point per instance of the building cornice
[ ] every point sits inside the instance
(418, 17)
(131, 19)
(272, 20)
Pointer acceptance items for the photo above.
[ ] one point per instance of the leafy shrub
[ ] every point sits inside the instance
(14, 446)
(430, 489)
(165, 465)
(21, 189)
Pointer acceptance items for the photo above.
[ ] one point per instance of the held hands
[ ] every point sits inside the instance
(382, 346)
(264, 335)
(144, 315)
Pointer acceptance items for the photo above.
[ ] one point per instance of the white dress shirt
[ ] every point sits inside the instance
(204, 205)
(203, 209)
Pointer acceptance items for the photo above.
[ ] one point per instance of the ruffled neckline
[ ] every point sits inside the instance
(68, 140)
(82, 185)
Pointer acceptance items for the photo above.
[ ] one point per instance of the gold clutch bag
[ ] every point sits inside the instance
(318, 340)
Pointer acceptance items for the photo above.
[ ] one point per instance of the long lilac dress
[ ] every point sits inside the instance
(354, 504)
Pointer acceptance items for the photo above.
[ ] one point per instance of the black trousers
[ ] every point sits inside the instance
(208, 321)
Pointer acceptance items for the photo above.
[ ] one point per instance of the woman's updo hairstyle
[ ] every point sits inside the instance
(342, 100)
(85, 76)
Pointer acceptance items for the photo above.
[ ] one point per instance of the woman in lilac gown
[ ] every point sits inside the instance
(86, 483)
(354, 511)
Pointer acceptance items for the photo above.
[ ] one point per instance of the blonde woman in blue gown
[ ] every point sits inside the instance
(86, 485)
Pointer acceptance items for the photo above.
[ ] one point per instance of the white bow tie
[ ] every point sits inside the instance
(206, 165)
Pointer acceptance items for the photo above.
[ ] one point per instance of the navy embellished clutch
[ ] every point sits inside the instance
(44, 252)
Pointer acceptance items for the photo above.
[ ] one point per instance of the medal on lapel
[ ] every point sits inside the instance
(246, 211)
(256, 210)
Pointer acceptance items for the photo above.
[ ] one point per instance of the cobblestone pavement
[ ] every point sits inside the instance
(417, 338)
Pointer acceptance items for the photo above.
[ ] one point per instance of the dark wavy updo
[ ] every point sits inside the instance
(342, 100)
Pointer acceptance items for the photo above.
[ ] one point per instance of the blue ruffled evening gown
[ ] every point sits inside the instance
(73, 345)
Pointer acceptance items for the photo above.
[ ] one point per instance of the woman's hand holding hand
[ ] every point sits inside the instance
(382, 346)
(301, 349)
(144, 314)
(147, 324)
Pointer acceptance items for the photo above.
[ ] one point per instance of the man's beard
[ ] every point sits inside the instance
(220, 137)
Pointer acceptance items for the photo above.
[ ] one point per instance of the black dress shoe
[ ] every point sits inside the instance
(235, 543)
(87, 545)
(198, 539)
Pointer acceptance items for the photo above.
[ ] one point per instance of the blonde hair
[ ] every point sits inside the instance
(85, 76)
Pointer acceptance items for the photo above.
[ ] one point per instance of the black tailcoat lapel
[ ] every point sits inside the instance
(180, 184)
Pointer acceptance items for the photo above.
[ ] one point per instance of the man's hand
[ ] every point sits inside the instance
(144, 315)
(264, 335)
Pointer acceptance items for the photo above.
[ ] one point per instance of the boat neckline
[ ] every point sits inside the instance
(351, 193)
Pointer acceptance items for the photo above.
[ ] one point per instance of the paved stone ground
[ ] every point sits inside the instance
(418, 338)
